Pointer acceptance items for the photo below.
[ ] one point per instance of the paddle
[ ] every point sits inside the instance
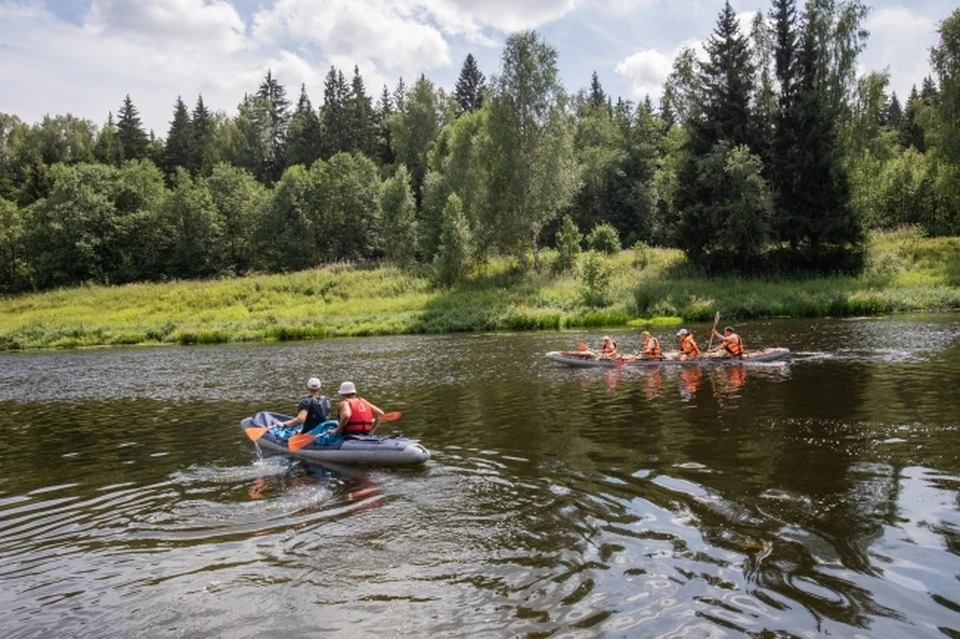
(716, 320)
(299, 441)
(257, 432)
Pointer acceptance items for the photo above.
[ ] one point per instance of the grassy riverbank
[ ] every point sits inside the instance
(904, 273)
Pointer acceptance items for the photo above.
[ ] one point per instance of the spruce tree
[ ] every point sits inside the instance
(303, 134)
(177, 150)
(470, 86)
(727, 80)
(133, 139)
(202, 125)
(385, 155)
(333, 115)
(360, 118)
(274, 96)
(597, 97)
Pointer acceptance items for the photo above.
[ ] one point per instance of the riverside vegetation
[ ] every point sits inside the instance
(644, 286)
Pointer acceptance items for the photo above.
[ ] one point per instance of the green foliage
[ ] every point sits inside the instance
(641, 254)
(604, 238)
(195, 228)
(595, 274)
(454, 252)
(14, 269)
(399, 218)
(568, 245)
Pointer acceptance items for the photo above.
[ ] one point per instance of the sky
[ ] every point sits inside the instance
(83, 56)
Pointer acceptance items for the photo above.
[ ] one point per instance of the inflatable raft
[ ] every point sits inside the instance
(590, 359)
(394, 450)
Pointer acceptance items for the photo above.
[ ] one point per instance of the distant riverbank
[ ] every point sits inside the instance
(905, 273)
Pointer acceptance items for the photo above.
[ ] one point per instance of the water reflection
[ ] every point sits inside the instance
(802, 499)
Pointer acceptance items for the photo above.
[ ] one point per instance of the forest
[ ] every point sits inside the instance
(771, 156)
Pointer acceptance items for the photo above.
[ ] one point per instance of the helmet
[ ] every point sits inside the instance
(347, 388)
(313, 383)
(682, 332)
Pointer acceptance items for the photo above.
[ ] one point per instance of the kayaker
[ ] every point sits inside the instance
(609, 347)
(651, 346)
(313, 410)
(688, 345)
(357, 416)
(730, 342)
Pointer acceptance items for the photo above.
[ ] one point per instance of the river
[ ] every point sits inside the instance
(817, 496)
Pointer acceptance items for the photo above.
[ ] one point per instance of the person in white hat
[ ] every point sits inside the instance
(688, 345)
(313, 410)
(356, 415)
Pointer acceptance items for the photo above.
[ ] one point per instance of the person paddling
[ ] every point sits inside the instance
(730, 342)
(313, 410)
(357, 416)
(651, 346)
(688, 345)
(609, 347)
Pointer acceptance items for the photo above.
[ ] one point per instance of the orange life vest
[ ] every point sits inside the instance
(361, 417)
(651, 346)
(734, 348)
(688, 346)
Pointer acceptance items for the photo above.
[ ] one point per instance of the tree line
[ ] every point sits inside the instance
(769, 156)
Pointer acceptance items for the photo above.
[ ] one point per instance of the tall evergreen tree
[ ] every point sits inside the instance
(334, 122)
(894, 113)
(385, 155)
(303, 135)
(597, 97)
(274, 97)
(727, 80)
(400, 96)
(133, 139)
(826, 228)
(911, 133)
(179, 142)
(360, 118)
(202, 126)
(470, 86)
(723, 130)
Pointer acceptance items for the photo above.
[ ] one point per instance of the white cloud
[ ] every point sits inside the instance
(168, 23)
(361, 29)
(645, 72)
(900, 41)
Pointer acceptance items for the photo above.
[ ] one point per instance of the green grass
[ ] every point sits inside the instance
(905, 272)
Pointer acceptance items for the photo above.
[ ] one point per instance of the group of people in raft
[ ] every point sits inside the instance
(731, 345)
(355, 415)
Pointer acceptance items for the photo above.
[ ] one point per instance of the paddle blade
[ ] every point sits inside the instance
(299, 441)
(255, 433)
(390, 417)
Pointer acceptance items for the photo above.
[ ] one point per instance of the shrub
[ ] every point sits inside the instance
(604, 239)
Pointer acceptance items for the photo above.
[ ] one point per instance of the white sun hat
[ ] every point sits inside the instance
(313, 383)
(347, 388)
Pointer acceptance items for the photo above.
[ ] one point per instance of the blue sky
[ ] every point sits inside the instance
(83, 56)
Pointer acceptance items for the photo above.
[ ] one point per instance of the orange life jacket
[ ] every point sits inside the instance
(651, 346)
(688, 346)
(734, 348)
(361, 417)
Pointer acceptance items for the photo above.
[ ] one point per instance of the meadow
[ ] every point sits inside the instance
(905, 272)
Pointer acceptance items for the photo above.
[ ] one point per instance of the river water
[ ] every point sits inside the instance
(813, 497)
